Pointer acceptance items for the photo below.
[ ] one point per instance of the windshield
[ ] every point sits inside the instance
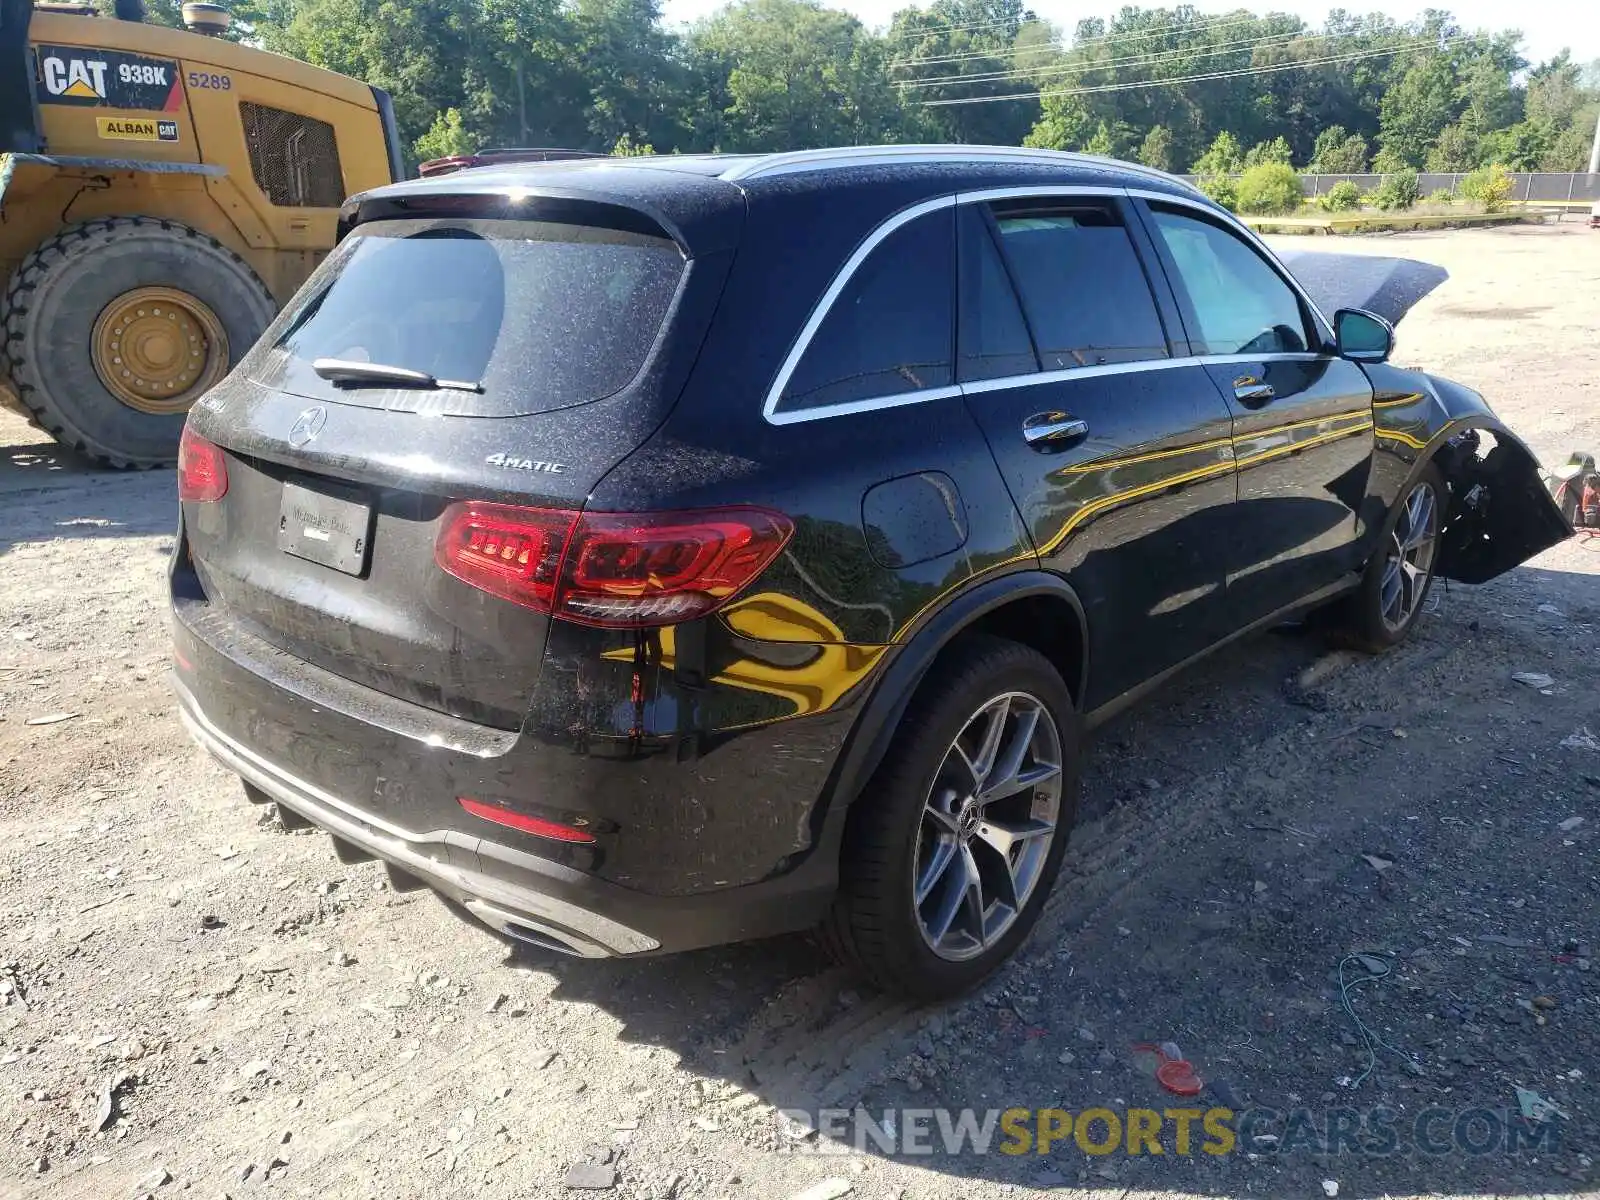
(542, 315)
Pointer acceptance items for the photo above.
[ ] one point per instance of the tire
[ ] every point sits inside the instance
(876, 926)
(1362, 619)
(51, 327)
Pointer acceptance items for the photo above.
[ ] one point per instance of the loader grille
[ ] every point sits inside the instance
(295, 159)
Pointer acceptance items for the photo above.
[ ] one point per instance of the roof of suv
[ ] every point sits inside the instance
(684, 193)
(750, 168)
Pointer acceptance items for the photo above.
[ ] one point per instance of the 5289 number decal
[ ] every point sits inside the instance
(203, 80)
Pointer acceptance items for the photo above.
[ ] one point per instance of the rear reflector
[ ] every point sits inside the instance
(626, 570)
(515, 820)
(202, 469)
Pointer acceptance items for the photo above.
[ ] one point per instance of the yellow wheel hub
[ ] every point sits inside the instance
(158, 349)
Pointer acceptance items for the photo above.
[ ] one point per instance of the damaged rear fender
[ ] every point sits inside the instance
(1500, 513)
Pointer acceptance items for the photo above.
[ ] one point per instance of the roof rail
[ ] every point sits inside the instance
(788, 162)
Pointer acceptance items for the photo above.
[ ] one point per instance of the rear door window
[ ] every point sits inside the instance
(1082, 285)
(542, 314)
(891, 330)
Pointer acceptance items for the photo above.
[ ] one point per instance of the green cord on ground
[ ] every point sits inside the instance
(1369, 1039)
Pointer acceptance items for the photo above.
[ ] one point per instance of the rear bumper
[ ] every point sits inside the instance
(515, 907)
(521, 895)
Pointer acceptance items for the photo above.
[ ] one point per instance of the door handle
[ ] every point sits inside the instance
(1053, 430)
(1252, 392)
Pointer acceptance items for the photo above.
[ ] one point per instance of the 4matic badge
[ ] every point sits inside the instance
(511, 462)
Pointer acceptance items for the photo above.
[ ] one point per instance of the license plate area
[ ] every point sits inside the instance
(327, 525)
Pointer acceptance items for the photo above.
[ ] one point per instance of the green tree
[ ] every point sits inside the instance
(1223, 158)
(1222, 189)
(1491, 101)
(1102, 142)
(1554, 94)
(1456, 149)
(1156, 149)
(1398, 191)
(1416, 110)
(1388, 160)
(1343, 196)
(777, 74)
(447, 137)
(970, 49)
(1522, 147)
(1275, 151)
(491, 60)
(1490, 187)
(800, 75)
(636, 80)
(1270, 187)
(1338, 153)
(1063, 125)
(626, 147)
(1569, 149)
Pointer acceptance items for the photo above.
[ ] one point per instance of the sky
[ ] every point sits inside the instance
(1548, 26)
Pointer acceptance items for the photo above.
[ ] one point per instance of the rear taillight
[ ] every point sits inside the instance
(613, 569)
(202, 468)
(513, 553)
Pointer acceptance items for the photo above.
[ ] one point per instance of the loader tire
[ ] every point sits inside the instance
(113, 328)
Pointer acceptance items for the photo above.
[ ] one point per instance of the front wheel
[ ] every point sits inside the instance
(1399, 576)
(952, 849)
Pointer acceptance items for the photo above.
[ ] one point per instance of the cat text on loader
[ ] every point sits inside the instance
(162, 192)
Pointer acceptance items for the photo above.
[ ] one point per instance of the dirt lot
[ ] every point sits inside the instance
(196, 999)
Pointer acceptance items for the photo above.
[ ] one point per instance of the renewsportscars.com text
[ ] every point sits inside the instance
(1182, 1132)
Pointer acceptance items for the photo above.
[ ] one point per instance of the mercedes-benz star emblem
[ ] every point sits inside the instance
(307, 425)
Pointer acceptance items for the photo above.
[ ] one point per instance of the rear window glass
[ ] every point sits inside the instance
(541, 314)
(1082, 286)
(891, 329)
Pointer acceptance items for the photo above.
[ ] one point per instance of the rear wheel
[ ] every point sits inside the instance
(953, 848)
(113, 329)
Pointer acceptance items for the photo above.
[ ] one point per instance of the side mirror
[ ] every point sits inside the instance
(1362, 336)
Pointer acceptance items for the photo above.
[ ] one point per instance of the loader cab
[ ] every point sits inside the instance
(19, 115)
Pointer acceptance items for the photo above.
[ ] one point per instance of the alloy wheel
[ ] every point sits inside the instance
(1408, 557)
(987, 826)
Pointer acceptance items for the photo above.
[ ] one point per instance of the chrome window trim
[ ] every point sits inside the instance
(1006, 382)
(871, 404)
(1273, 356)
(1042, 191)
(1065, 192)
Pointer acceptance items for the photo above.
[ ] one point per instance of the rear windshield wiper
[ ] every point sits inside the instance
(343, 373)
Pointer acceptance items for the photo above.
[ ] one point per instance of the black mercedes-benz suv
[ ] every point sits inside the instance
(651, 553)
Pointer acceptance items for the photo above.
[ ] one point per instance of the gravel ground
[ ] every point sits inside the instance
(197, 999)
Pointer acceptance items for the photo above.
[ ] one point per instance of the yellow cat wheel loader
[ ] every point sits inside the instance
(162, 193)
